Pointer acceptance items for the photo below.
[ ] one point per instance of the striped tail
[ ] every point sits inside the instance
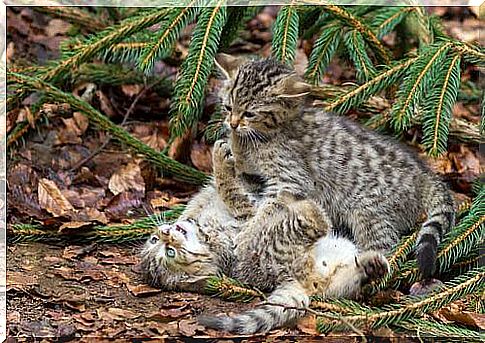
(285, 302)
(438, 203)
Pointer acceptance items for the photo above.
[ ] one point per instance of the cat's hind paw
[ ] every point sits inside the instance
(373, 264)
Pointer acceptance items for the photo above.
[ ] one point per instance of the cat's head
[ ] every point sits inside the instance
(259, 96)
(177, 257)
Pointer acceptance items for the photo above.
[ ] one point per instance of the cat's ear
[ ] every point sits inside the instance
(293, 87)
(228, 65)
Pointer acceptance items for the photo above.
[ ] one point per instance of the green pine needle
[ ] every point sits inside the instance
(356, 47)
(285, 34)
(230, 289)
(161, 47)
(189, 95)
(384, 20)
(420, 78)
(323, 51)
(427, 328)
(438, 107)
(358, 95)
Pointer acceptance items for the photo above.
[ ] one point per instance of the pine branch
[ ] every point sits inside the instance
(322, 53)
(456, 245)
(177, 20)
(420, 77)
(117, 75)
(94, 46)
(413, 307)
(356, 47)
(236, 20)
(384, 20)
(438, 108)
(74, 15)
(178, 170)
(472, 54)
(358, 95)
(231, 289)
(285, 34)
(431, 328)
(190, 86)
(345, 16)
(118, 233)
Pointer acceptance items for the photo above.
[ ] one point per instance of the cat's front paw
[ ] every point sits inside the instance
(373, 264)
(222, 157)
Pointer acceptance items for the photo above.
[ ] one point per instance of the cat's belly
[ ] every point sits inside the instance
(331, 251)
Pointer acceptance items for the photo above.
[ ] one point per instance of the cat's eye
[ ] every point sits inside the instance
(227, 108)
(248, 114)
(170, 252)
(154, 240)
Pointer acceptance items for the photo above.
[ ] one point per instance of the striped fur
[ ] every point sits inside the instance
(364, 181)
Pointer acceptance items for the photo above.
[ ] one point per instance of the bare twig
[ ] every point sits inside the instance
(108, 138)
(320, 314)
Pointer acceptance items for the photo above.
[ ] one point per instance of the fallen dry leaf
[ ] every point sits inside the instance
(127, 178)
(131, 90)
(20, 280)
(57, 27)
(142, 290)
(120, 205)
(105, 104)
(74, 251)
(201, 157)
(165, 200)
(308, 325)
(51, 198)
(188, 327)
(73, 225)
(121, 314)
(463, 317)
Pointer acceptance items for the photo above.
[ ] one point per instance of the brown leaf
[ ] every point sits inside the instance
(188, 327)
(121, 204)
(20, 280)
(88, 214)
(105, 104)
(73, 225)
(57, 27)
(201, 157)
(142, 290)
(121, 314)
(165, 201)
(74, 251)
(308, 325)
(51, 198)
(131, 90)
(127, 178)
(463, 317)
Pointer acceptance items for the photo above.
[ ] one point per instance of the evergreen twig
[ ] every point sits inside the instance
(178, 170)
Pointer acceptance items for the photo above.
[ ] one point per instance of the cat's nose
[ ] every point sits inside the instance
(234, 123)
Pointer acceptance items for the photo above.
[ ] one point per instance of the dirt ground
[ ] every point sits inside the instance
(95, 291)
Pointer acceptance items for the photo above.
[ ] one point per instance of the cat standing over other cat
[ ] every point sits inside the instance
(364, 181)
(289, 258)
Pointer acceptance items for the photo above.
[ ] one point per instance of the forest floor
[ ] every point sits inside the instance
(59, 176)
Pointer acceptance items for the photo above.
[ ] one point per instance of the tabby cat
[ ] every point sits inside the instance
(207, 240)
(366, 183)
